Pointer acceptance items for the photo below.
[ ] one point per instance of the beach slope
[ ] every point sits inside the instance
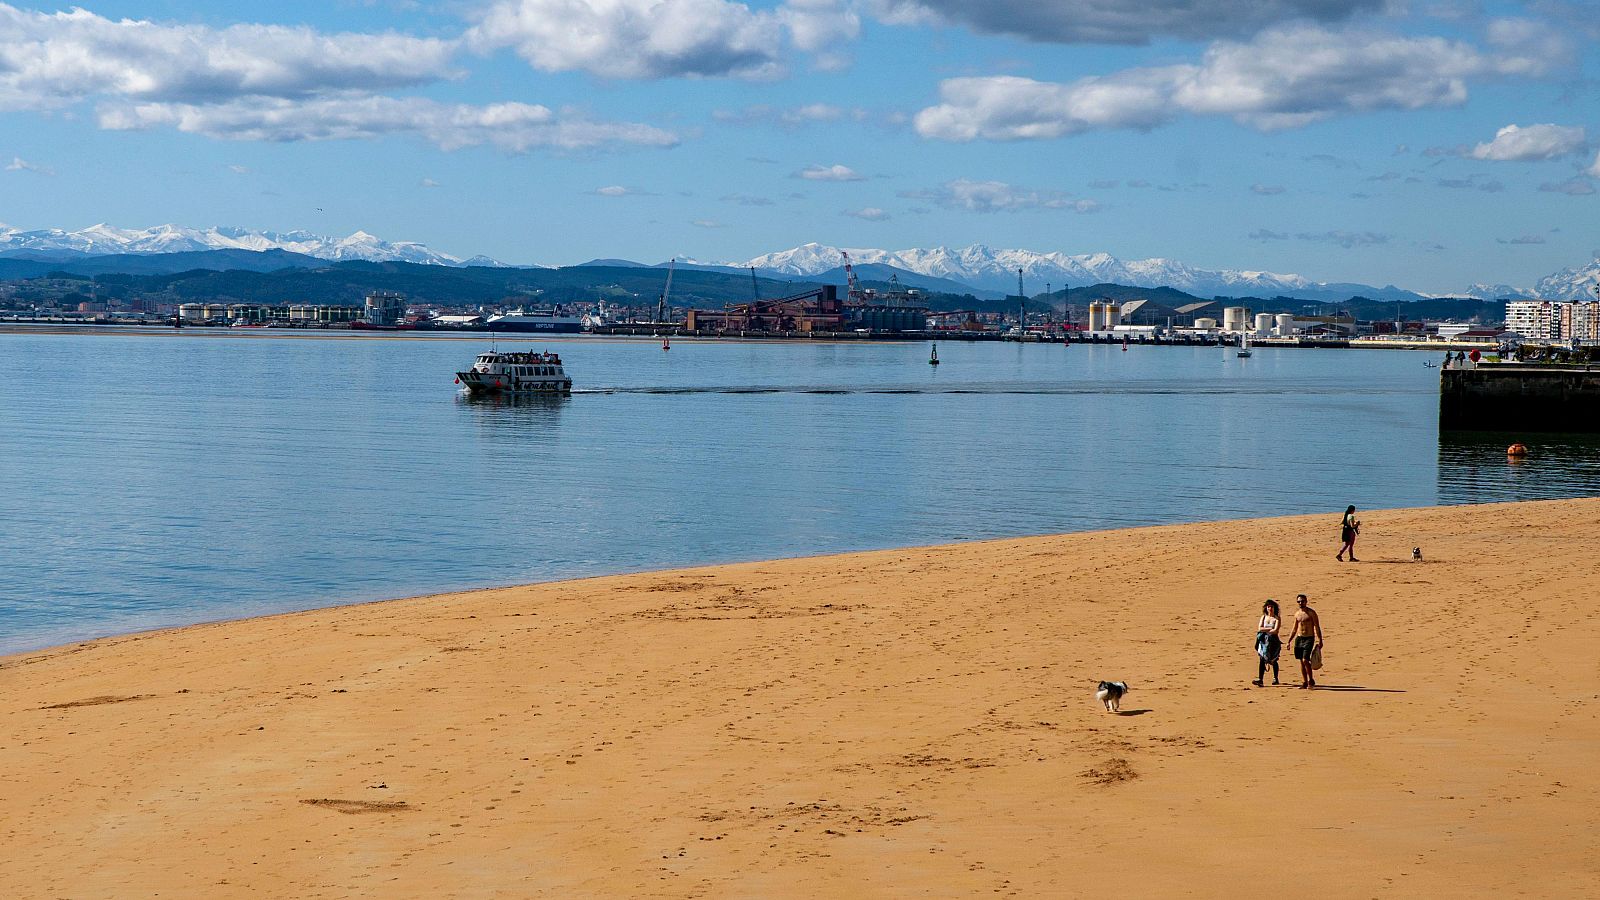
(878, 724)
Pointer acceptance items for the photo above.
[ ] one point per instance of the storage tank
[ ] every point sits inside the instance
(1097, 317)
(1233, 318)
(1263, 323)
(1285, 325)
(1206, 324)
(1113, 315)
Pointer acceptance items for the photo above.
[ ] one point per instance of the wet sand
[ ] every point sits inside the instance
(910, 722)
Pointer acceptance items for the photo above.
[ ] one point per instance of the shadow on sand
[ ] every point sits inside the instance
(1134, 712)
(1357, 687)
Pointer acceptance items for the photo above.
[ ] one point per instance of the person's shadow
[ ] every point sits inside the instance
(1133, 712)
(1357, 687)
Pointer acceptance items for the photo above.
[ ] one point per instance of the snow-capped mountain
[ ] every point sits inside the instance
(101, 240)
(991, 269)
(1577, 283)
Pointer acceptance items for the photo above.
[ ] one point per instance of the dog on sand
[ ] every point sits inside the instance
(1110, 693)
(1416, 554)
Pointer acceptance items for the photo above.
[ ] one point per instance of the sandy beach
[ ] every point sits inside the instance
(897, 723)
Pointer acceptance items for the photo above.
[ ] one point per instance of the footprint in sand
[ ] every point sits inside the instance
(357, 807)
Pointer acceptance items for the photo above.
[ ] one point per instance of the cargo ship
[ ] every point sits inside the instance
(516, 373)
(547, 321)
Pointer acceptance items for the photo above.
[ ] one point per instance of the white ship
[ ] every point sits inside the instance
(516, 373)
(543, 320)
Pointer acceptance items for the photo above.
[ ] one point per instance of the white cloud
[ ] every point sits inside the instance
(998, 196)
(1346, 239)
(428, 183)
(18, 164)
(748, 200)
(54, 59)
(239, 170)
(1534, 142)
(705, 223)
(1117, 21)
(613, 190)
(660, 38)
(1595, 169)
(823, 28)
(830, 173)
(1578, 186)
(1283, 78)
(869, 213)
(788, 117)
(1267, 190)
(514, 127)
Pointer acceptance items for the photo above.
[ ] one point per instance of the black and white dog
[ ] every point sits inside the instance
(1416, 554)
(1110, 693)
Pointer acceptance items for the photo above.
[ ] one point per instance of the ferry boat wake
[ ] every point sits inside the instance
(516, 373)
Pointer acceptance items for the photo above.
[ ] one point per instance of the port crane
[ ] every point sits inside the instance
(661, 302)
(852, 286)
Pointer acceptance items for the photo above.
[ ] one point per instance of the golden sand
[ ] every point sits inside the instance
(909, 722)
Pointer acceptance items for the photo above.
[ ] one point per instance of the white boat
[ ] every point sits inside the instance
(1244, 345)
(546, 320)
(516, 373)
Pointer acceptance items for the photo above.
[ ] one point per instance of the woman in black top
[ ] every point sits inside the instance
(1348, 529)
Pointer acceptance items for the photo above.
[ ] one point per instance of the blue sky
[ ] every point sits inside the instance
(1350, 140)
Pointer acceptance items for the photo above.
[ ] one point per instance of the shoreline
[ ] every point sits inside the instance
(881, 722)
(824, 338)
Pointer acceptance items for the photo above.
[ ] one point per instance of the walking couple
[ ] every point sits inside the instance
(1306, 637)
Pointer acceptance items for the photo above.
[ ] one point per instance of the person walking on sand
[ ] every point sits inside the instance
(1267, 643)
(1348, 529)
(1307, 639)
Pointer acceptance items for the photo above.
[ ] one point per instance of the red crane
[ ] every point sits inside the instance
(852, 287)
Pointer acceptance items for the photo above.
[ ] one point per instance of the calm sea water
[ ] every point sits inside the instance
(155, 480)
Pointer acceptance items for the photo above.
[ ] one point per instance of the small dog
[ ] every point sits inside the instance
(1110, 693)
(1416, 554)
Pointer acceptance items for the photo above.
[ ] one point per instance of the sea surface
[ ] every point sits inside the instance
(152, 480)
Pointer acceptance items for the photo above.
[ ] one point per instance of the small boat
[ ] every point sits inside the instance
(516, 373)
(933, 356)
(1244, 346)
(666, 343)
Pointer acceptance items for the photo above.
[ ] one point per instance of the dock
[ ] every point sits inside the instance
(1520, 397)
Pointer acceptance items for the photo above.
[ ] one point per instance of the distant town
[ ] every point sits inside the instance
(598, 299)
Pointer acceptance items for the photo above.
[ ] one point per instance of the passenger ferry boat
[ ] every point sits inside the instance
(516, 373)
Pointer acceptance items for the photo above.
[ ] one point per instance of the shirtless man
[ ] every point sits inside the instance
(1306, 637)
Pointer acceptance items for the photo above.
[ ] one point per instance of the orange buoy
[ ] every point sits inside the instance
(1517, 450)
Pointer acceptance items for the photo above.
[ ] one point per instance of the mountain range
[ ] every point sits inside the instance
(983, 271)
(106, 240)
(990, 269)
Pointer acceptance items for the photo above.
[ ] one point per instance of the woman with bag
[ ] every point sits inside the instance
(1267, 643)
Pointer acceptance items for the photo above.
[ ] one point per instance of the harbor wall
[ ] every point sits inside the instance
(1520, 398)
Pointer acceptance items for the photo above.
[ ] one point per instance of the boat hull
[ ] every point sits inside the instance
(531, 327)
(478, 383)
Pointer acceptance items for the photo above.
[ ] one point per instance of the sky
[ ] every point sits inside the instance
(1430, 144)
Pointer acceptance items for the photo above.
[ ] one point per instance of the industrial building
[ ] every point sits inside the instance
(261, 314)
(818, 309)
(383, 309)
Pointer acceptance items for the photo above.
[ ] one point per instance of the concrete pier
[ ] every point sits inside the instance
(1511, 397)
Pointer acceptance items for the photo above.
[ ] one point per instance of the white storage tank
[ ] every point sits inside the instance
(1285, 325)
(1263, 323)
(1113, 315)
(1206, 324)
(1096, 316)
(1233, 318)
